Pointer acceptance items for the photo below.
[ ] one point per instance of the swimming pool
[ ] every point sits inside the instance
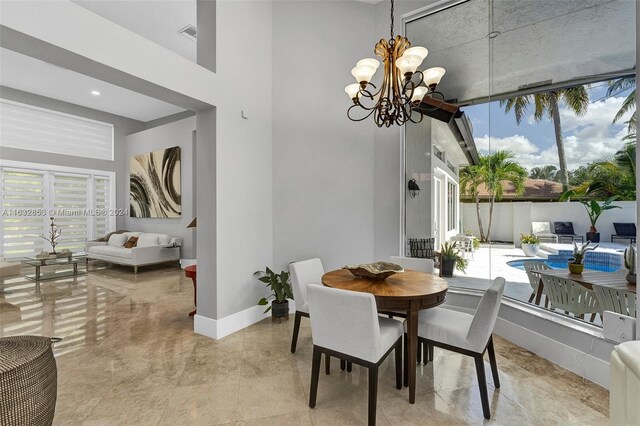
(519, 264)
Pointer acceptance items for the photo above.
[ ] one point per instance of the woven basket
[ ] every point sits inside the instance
(28, 381)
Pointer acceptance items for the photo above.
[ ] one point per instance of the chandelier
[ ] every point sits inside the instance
(404, 94)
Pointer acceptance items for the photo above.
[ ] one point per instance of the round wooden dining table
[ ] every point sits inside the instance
(409, 291)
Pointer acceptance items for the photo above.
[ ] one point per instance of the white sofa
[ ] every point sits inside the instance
(624, 398)
(8, 269)
(150, 249)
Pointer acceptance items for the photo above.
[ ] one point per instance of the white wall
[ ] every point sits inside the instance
(508, 223)
(323, 163)
(179, 133)
(243, 153)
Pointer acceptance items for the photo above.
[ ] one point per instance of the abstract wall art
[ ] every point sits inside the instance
(154, 184)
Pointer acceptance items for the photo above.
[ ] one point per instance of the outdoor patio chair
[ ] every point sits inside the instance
(570, 297)
(465, 244)
(542, 230)
(624, 231)
(614, 300)
(534, 279)
(564, 230)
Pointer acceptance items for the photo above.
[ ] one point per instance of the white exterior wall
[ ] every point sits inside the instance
(510, 219)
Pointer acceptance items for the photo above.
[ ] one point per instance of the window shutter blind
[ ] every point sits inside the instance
(101, 195)
(71, 202)
(23, 204)
(37, 129)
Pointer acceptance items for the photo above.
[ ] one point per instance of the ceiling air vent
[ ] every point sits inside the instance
(189, 32)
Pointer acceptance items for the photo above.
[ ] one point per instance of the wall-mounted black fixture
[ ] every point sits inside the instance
(414, 189)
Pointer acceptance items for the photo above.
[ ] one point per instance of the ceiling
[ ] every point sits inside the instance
(538, 40)
(157, 20)
(41, 78)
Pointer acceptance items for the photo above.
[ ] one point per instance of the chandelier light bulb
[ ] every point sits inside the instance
(419, 51)
(408, 64)
(432, 76)
(363, 73)
(369, 62)
(352, 90)
(419, 93)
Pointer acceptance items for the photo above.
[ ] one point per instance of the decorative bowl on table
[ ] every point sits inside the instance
(377, 271)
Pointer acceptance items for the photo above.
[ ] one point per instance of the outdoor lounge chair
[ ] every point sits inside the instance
(624, 231)
(564, 230)
(542, 230)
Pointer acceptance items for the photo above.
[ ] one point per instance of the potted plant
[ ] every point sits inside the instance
(594, 210)
(630, 264)
(450, 258)
(576, 265)
(530, 244)
(281, 287)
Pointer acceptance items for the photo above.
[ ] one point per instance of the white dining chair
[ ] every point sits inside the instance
(303, 274)
(421, 265)
(345, 324)
(466, 334)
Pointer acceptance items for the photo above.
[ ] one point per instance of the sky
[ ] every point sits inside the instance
(587, 138)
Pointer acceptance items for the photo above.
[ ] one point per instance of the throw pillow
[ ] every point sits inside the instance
(117, 240)
(147, 240)
(131, 242)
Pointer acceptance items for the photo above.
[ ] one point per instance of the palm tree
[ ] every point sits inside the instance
(491, 171)
(613, 177)
(620, 85)
(547, 104)
(549, 172)
(498, 168)
(470, 179)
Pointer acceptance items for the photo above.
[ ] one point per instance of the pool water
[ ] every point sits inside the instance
(519, 264)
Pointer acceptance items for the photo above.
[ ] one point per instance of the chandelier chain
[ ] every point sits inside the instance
(392, 19)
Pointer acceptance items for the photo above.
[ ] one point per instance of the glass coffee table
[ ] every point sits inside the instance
(51, 268)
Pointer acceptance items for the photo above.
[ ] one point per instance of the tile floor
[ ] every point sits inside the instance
(129, 356)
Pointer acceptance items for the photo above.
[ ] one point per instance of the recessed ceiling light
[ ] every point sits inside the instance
(95, 93)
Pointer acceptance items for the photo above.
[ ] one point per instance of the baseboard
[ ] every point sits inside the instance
(217, 329)
(187, 262)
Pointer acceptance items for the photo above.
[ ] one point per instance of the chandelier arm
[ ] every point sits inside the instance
(358, 119)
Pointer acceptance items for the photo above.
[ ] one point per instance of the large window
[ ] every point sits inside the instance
(81, 201)
(37, 129)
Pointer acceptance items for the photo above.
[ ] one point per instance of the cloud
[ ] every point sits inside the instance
(517, 144)
(587, 138)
